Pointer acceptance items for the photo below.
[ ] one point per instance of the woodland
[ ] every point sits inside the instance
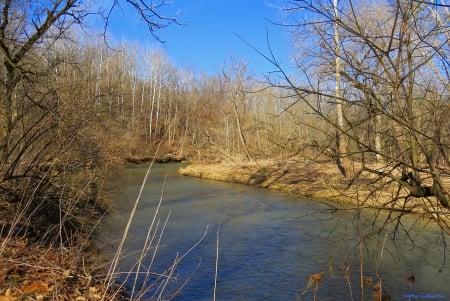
(370, 95)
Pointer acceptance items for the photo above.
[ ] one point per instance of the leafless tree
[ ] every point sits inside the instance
(395, 72)
(236, 80)
(150, 11)
(36, 128)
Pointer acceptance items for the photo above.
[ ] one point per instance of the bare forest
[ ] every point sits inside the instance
(369, 95)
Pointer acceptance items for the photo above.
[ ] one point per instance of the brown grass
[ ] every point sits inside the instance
(321, 181)
(307, 179)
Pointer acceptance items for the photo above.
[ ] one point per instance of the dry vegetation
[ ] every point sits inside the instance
(319, 180)
(70, 105)
(29, 271)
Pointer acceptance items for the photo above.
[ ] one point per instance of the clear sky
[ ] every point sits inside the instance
(208, 40)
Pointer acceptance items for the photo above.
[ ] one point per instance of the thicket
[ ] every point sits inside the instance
(387, 76)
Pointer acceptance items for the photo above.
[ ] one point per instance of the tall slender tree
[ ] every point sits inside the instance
(389, 82)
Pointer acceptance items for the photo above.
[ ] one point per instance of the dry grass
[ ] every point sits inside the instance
(321, 181)
(308, 179)
(313, 284)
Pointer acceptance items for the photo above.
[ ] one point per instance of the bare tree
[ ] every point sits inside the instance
(394, 109)
(150, 11)
(341, 146)
(38, 129)
(236, 80)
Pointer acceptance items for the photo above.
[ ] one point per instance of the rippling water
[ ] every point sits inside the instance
(269, 243)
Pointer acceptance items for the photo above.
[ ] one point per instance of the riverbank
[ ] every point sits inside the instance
(51, 255)
(321, 181)
(30, 271)
(44, 257)
(306, 179)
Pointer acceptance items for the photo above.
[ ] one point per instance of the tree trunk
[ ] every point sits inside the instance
(341, 147)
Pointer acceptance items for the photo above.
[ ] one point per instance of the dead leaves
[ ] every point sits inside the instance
(7, 296)
(36, 287)
(313, 283)
(30, 272)
(3, 275)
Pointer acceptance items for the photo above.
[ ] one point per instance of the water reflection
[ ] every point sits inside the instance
(269, 244)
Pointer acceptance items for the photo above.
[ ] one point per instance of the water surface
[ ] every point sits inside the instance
(269, 243)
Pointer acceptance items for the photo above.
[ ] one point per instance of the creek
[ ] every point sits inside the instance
(268, 243)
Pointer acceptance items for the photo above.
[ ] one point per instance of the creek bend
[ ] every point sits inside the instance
(269, 243)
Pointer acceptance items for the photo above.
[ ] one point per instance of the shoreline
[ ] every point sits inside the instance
(56, 269)
(321, 181)
(72, 270)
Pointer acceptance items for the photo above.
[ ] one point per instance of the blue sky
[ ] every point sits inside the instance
(208, 40)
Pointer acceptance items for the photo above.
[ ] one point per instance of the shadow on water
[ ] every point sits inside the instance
(269, 244)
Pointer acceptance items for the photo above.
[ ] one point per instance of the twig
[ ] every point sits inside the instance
(217, 261)
(114, 264)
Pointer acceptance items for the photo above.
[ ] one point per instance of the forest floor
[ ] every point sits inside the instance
(30, 271)
(34, 269)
